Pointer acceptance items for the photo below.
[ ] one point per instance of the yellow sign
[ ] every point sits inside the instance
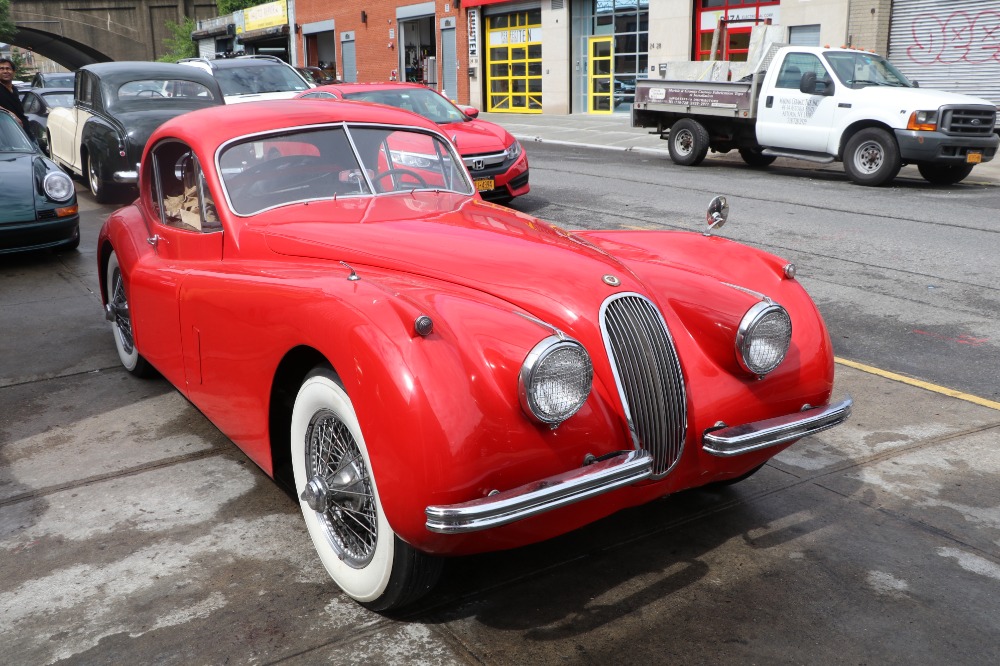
(266, 16)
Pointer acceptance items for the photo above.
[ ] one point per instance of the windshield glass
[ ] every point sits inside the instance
(157, 88)
(422, 101)
(259, 78)
(859, 70)
(58, 99)
(58, 80)
(12, 137)
(332, 162)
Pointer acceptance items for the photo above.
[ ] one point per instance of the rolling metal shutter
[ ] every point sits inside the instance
(946, 44)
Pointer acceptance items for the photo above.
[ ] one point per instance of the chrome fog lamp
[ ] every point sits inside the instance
(763, 338)
(58, 186)
(555, 380)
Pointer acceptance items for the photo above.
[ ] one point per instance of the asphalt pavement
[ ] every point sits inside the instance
(614, 132)
(132, 531)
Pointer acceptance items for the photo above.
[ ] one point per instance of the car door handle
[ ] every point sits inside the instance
(154, 239)
(770, 101)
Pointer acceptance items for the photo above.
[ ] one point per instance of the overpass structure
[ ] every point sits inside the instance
(78, 32)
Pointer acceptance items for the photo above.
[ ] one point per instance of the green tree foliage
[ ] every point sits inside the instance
(7, 27)
(179, 43)
(230, 6)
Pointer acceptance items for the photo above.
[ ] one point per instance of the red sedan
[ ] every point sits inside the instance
(498, 163)
(434, 374)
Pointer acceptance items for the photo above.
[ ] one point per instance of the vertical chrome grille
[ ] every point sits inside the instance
(975, 121)
(649, 376)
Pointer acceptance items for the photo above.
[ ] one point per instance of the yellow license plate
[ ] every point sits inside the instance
(484, 184)
(973, 158)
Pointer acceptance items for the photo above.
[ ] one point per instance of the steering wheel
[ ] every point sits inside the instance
(401, 173)
(149, 93)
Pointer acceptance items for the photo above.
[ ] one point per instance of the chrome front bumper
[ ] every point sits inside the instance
(736, 440)
(623, 469)
(540, 496)
(130, 177)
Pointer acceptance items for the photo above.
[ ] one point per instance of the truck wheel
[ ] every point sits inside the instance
(688, 142)
(755, 157)
(872, 157)
(944, 174)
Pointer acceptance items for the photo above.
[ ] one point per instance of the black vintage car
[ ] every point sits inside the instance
(117, 106)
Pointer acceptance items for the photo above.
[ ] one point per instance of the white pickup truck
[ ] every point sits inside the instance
(823, 105)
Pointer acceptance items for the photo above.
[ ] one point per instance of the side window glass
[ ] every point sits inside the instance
(30, 104)
(83, 94)
(180, 194)
(797, 64)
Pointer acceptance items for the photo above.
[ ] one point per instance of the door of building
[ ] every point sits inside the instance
(514, 62)
(347, 50)
(599, 78)
(449, 60)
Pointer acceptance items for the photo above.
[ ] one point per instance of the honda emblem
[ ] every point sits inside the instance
(478, 165)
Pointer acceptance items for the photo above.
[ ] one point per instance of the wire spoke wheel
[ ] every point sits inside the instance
(337, 471)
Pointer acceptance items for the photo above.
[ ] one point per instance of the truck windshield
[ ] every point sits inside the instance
(860, 70)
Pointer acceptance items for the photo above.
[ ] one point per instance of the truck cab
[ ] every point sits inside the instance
(826, 104)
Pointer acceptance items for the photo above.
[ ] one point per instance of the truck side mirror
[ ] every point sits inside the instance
(810, 85)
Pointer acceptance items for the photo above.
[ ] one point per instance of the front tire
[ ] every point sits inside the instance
(755, 157)
(688, 142)
(944, 174)
(340, 502)
(121, 318)
(872, 157)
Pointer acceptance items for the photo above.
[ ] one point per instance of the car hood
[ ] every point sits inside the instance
(476, 137)
(257, 97)
(546, 271)
(917, 98)
(17, 187)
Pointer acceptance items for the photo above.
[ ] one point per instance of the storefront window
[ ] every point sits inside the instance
(733, 39)
(626, 24)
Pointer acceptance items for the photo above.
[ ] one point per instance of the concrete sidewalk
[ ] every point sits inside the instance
(614, 132)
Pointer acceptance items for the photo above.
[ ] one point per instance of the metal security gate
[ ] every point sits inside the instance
(449, 59)
(948, 44)
(348, 52)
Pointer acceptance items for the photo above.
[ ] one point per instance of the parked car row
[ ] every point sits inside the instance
(98, 129)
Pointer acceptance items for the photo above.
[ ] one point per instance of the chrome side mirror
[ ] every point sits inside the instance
(718, 213)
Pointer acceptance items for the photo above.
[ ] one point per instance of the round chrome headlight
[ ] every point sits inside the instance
(58, 186)
(763, 338)
(555, 380)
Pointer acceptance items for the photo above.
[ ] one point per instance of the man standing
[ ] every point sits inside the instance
(10, 100)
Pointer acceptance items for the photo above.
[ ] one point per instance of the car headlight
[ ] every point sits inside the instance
(763, 338)
(555, 380)
(411, 159)
(58, 186)
(923, 120)
(513, 150)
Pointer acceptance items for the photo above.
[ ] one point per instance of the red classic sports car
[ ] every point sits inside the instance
(434, 374)
(496, 160)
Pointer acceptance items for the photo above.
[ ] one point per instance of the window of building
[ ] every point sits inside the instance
(731, 39)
